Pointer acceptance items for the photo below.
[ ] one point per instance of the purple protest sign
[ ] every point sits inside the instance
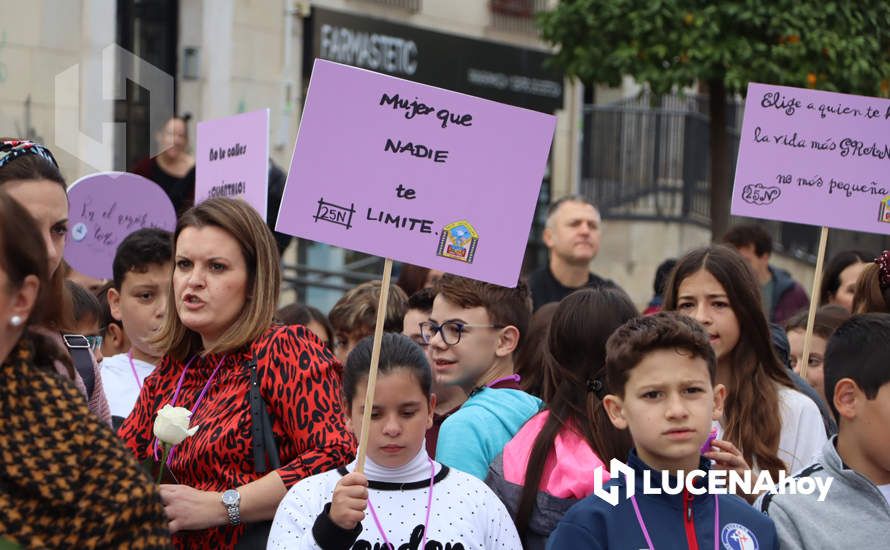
(415, 173)
(232, 156)
(819, 158)
(103, 209)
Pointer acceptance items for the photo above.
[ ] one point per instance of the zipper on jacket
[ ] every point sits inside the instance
(688, 521)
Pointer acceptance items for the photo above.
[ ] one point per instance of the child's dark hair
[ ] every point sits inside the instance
(573, 361)
(139, 251)
(105, 318)
(397, 351)
(356, 311)
(746, 234)
(831, 276)
(641, 336)
(422, 300)
(827, 319)
(301, 314)
(86, 305)
(858, 350)
(662, 274)
(529, 362)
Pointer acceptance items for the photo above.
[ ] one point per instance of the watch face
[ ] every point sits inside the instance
(77, 341)
(230, 497)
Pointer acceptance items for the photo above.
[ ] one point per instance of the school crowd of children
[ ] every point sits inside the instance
(488, 420)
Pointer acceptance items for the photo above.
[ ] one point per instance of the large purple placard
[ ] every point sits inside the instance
(232, 157)
(819, 158)
(415, 173)
(103, 209)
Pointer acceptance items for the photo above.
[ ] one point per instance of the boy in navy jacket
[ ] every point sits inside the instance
(660, 378)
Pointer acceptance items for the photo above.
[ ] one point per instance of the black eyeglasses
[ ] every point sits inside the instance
(450, 330)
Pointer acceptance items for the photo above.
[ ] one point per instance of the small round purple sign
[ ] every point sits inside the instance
(103, 209)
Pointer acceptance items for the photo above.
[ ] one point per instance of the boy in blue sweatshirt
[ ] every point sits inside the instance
(660, 377)
(473, 332)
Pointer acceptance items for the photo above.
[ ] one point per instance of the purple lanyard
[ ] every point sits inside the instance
(514, 377)
(133, 368)
(197, 403)
(633, 499)
(429, 505)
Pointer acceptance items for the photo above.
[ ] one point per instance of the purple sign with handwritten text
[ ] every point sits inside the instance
(415, 173)
(232, 157)
(103, 209)
(819, 158)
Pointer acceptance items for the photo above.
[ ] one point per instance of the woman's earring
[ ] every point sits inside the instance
(16, 321)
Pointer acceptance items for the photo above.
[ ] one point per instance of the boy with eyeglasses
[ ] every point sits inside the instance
(448, 398)
(473, 332)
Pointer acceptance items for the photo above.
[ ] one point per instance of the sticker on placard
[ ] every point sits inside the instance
(458, 241)
(884, 211)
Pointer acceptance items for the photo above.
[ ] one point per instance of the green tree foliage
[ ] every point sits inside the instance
(838, 46)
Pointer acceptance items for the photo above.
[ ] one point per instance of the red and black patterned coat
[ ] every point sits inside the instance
(301, 387)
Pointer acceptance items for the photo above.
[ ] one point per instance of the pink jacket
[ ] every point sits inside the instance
(567, 477)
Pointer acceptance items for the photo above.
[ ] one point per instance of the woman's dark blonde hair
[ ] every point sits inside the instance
(242, 223)
(753, 422)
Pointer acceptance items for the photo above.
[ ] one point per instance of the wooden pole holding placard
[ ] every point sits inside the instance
(814, 302)
(375, 360)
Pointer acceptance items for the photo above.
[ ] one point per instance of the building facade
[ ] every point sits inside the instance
(76, 74)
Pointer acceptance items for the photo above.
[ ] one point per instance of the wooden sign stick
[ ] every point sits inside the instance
(814, 302)
(375, 360)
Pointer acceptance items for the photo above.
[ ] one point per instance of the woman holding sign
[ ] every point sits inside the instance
(404, 499)
(29, 174)
(264, 400)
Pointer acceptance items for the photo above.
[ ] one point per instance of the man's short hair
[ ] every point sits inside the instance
(858, 350)
(139, 251)
(356, 311)
(635, 339)
(422, 300)
(505, 306)
(555, 205)
(746, 234)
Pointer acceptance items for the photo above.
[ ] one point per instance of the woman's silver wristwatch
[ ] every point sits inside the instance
(232, 501)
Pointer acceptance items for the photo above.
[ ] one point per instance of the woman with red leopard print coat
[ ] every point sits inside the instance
(224, 287)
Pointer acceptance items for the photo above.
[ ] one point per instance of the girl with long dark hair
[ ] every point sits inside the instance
(546, 467)
(773, 425)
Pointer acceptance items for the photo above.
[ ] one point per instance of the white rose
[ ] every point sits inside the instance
(172, 425)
